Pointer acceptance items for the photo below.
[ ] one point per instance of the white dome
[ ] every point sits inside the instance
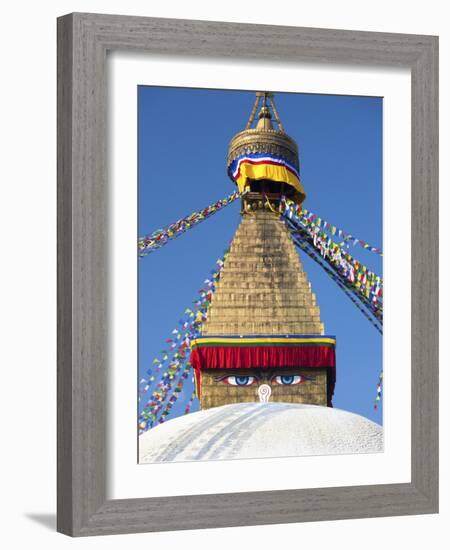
(260, 430)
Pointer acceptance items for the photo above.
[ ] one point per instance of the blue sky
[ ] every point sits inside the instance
(183, 139)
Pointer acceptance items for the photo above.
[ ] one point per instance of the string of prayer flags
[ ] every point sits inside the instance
(160, 237)
(177, 389)
(167, 383)
(313, 219)
(379, 391)
(312, 253)
(190, 402)
(368, 284)
(169, 400)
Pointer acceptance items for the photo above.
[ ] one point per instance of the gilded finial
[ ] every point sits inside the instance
(264, 122)
(262, 157)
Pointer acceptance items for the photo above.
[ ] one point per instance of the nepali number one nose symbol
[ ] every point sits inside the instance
(264, 392)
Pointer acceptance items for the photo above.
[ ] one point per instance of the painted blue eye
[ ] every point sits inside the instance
(240, 380)
(288, 379)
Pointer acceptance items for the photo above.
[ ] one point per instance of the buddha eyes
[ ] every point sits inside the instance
(281, 380)
(288, 380)
(240, 380)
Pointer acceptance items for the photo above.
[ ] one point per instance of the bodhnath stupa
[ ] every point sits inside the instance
(265, 369)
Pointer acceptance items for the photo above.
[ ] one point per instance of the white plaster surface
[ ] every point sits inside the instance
(260, 430)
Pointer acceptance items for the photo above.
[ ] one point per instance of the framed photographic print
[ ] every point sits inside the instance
(280, 313)
(253, 339)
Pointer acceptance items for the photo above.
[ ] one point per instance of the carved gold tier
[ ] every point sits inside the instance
(256, 140)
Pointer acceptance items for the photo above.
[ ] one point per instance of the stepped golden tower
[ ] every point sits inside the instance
(264, 339)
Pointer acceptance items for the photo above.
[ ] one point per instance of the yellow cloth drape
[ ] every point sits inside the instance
(266, 171)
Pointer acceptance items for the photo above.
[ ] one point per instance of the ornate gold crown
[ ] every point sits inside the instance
(264, 138)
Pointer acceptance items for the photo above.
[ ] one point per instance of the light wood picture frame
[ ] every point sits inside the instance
(83, 42)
